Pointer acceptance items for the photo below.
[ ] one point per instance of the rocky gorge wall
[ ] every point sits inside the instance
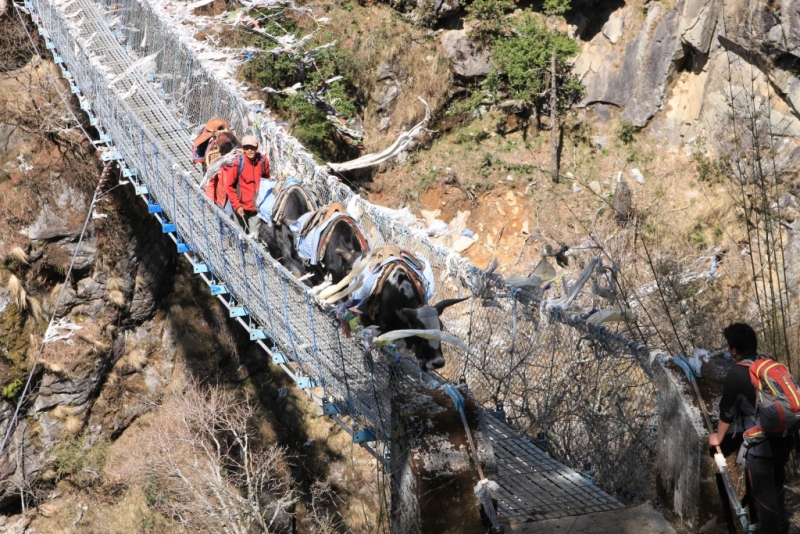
(88, 383)
(674, 67)
(668, 65)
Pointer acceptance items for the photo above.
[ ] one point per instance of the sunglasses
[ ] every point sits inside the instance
(249, 147)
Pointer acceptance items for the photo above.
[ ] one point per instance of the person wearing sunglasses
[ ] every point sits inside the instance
(241, 184)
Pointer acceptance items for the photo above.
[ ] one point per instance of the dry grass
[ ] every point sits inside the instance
(112, 379)
(100, 347)
(61, 412)
(116, 298)
(35, 309)
(73, 425)
(114, 283)
(52, 366)
(19, 255)
(136, 360)
(18, 293)
(54, 293)
(68, 416)
(133, 361)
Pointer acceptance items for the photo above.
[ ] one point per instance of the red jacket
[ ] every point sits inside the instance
(215, 190)
(243, 189)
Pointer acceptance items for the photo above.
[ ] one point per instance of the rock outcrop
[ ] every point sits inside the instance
(446, 8)
(670, 70)
(390, 79)
(610, 72)
(466, 60)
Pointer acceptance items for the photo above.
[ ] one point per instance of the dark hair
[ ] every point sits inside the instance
(742, 337)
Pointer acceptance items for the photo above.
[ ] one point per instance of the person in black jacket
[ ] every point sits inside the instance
(765, 461)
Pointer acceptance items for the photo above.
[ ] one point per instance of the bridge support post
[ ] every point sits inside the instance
(431, 456)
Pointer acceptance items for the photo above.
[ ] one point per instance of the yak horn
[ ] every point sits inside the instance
(442, 304)
(357, 268)
(343, 293)
(427, 334)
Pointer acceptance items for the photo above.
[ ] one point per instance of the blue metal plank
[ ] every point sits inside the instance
(237, 311)
(218, 289)
(306, 382)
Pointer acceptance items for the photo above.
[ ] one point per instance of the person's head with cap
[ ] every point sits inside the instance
(250, 146)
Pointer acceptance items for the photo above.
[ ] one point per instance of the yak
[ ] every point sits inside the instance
(396, 301)
(329, 240)
(291, 202)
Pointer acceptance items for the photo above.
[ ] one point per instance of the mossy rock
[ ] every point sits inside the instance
(13, 339)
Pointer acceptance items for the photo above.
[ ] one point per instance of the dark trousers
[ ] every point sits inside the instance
(766, 477)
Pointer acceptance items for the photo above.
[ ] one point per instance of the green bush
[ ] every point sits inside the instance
(81, 464)
(12, 389)
(627, 132)
(490, 19)
(556, 7)
(709, 169)
(282, 70)
(427, 181)
(521, 62)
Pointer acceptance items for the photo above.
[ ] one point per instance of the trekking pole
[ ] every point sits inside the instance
(484, 488)
(719, 459)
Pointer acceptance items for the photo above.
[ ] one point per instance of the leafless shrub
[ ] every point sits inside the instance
(15, 47)
(323, 521)
(201, 461)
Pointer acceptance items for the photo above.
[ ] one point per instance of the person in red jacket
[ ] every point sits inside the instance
(215, 187)
(242, 186)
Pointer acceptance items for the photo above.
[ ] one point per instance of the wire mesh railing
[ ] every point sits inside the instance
(580, 389)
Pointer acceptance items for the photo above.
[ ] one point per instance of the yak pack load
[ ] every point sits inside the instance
(777, 401)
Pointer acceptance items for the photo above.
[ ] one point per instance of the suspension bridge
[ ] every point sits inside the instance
(583, 391)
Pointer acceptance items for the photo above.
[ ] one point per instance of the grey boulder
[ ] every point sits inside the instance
(466, 60)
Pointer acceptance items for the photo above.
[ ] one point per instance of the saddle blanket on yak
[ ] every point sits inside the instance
(268, 193)
(374, 273)
(312, 231)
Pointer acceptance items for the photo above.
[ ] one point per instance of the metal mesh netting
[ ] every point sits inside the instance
(154, 144)
(581, 388)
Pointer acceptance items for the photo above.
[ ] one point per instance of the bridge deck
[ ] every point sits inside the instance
(152, 110)
(534, 486)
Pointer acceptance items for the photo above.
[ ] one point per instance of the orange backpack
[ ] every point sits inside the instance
(777, 401)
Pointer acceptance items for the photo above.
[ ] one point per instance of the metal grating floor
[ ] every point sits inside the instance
(534, 486)
(151, 109)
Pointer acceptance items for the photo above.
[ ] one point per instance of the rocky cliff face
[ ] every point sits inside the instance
(88, 382)
(673, 68)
